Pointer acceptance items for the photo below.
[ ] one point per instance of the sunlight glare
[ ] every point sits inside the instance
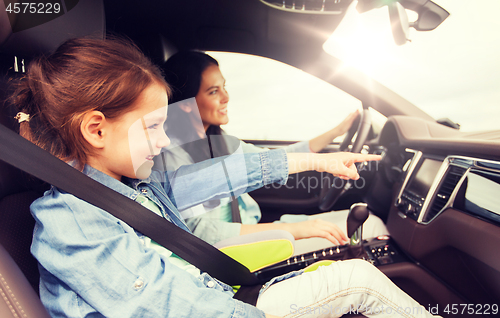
(363, 41)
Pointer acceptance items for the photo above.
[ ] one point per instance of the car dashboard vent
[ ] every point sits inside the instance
(444, 191)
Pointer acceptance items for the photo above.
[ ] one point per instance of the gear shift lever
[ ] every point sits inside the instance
(358, 214)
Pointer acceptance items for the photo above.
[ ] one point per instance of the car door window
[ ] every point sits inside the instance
(270, 100)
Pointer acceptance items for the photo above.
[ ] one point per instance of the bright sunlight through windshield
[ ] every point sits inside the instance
(452, 71)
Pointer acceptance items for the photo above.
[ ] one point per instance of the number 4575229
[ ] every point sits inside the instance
(471, 309)
(33, 7)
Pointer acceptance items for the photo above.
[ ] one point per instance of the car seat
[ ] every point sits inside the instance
(19, 277)
(18, 268)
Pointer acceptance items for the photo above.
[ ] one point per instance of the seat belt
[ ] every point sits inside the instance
(34, 160)
(235, 211)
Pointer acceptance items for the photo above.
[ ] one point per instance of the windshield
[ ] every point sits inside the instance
(270, 100)
(452, 71)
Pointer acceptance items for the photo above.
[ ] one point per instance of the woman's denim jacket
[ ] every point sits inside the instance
(93, 264)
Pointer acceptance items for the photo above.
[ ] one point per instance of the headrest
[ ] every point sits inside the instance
(28, 34)
(155, 46)
(24, 35)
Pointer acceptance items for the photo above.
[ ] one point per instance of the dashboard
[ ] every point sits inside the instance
(438, 191)
(432, 185)
(444, 207)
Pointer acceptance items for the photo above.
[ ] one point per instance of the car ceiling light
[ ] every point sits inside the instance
(310, 6)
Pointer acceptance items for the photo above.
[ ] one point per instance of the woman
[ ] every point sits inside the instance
(200, 108)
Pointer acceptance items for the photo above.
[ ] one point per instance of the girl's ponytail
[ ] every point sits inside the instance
(30, 99)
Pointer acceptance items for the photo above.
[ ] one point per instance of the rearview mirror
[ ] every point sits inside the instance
(430, 16)
(399, 23)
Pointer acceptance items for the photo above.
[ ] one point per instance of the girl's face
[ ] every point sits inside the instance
(137, 136)
(212, 98)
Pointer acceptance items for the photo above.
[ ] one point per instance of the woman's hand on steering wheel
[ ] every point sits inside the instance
(347, 123)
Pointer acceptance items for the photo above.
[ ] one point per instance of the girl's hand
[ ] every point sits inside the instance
(340, 164)
(317, 228)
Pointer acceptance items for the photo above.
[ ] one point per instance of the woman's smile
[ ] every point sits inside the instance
(223, 111)
(212, 97)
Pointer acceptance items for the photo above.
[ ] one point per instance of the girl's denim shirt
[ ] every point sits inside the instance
(93, 264)
(212, 221)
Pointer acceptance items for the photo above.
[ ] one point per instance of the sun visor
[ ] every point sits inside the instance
(28, 29)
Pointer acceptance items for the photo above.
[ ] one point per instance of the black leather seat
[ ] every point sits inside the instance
(19, 277)
(17, 299)
(18, 268)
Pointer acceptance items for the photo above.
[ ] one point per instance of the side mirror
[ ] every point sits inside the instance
(399, 23)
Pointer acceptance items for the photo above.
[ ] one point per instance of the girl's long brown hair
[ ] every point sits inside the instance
(82, 75)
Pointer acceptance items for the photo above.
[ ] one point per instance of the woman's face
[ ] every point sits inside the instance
(212, 98)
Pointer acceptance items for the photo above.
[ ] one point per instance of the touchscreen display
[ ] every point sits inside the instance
(422, 180)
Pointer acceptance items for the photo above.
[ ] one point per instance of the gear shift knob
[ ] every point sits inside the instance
(358, 214)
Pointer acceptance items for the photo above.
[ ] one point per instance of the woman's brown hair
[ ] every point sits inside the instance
(183, 71)
(82, 75)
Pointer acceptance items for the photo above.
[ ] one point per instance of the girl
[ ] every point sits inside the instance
(201, 102)
(100, 106)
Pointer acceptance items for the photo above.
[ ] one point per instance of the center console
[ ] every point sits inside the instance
(379, 251)
(419, 179)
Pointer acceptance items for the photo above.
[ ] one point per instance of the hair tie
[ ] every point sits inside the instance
(22, 117)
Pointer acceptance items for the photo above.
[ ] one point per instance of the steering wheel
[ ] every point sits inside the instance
(330, 191)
